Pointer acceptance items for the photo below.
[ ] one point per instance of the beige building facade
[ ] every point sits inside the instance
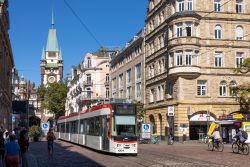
(192, 49)
(127, 71)
(6, 66)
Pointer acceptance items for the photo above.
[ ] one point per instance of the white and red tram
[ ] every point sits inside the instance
(107, 127)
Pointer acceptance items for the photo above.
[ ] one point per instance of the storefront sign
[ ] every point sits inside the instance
(202, 117)
(170, 110)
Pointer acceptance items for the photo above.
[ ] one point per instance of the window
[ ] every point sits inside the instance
(121, 93)
(88, 78)
(89, 65)
(180, 5)
(107, 79)
(121, 81)
(190, 4)
(151, 96)
(138, 90)
(138, 71)
(114, 84)
(129, 92)
(217, 5)
(88, 93)
(201, 88)
(223, 88)
(233, 84)
(162, 92)
(179, 30)
(170, 88)
(107, 93)
(179, 58)
(189, 29)
(188, 58)
(218, 60)
(239, 33)
(217, 32)
(239, 59)
(239, 6)
(129, 76)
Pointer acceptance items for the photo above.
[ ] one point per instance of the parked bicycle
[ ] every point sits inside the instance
(215, 145)
(238, 147)
(170, 140)
(155, 139)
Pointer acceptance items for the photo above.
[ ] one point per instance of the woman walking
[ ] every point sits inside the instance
(12, 153)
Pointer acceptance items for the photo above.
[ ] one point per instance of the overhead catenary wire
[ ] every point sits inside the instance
(82, 23)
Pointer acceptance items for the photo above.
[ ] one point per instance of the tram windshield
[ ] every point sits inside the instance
(124, 128)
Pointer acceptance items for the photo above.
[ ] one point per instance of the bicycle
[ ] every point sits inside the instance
(155, 139)
(170, 140)
(237, 147)
(215, 144)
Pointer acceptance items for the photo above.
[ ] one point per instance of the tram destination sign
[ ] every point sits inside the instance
(125, 109)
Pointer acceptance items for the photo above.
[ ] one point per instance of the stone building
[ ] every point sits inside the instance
(6, 66)
(192, 49)
(89, 82)
(127, 70)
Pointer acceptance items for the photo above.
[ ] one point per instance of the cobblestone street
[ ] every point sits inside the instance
(190, 154)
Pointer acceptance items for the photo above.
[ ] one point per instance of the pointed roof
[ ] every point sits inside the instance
(60, 54)
(52, 42)
(43, 55)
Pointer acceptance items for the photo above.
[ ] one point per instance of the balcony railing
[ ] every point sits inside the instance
(186, 40)
(87, 83)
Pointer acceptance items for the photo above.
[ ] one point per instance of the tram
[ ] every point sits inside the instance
(107, 127)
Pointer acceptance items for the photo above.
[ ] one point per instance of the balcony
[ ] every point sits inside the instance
(186, 40)
(88, 67)
(87, 83)
(184, 71)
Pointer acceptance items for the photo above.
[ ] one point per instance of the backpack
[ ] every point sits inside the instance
(50, 136)
(244, 134)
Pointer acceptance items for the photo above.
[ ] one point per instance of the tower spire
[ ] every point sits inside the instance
(52, 20)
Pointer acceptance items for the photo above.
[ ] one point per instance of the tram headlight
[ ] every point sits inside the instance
(118, 145)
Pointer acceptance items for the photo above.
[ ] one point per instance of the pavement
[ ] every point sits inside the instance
(192, 153)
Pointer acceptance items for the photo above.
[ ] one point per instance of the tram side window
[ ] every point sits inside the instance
(62, 128)
(74, 126)
(86, 126)
(67, 127)
(94, 126)
(82, 130)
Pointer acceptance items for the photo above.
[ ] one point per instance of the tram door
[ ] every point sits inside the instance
(105, 130)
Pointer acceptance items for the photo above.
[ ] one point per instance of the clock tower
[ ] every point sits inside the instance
(51, 60)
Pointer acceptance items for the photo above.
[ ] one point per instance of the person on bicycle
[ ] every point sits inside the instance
(50, 138)
(239, 136)
(216, 137)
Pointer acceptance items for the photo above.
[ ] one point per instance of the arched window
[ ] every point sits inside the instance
(223, 88)
(239, 33)
(232, 84)
(217, 32)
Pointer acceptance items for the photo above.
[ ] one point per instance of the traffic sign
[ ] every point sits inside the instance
(45, 126)
(145, 127)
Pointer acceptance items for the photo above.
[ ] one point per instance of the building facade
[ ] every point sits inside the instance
(6, 66)
(89, 82)
(127, 71)
(192, 49)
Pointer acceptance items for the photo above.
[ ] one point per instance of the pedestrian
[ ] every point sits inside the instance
(12, 153)
(24, 145)
(184, 135)
(2, 148)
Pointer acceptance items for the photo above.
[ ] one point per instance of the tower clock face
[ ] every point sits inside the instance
(51, 79)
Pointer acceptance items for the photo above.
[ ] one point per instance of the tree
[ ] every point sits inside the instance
(242, 92)
(140, 110)
(53, 98)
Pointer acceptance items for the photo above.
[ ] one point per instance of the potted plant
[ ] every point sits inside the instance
(35, 132)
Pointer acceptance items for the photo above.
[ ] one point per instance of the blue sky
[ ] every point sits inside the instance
(112, 22)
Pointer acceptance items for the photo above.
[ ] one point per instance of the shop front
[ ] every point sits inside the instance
(198, 125)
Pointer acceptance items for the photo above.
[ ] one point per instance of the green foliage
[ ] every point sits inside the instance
(102, 49)
(35, 131)
(140, 110)
(53, 98)
(242, 92)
